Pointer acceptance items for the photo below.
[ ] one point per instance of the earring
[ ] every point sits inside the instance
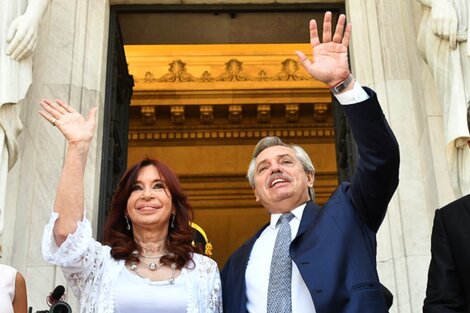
(128, 227)
(172, 222)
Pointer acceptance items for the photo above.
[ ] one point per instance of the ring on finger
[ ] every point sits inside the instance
(53, 121)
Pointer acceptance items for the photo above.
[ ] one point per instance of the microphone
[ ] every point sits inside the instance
(56, 301)
(61, 307)
(56, 295)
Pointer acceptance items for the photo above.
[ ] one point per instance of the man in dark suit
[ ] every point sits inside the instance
(448, 288)
(333, 248)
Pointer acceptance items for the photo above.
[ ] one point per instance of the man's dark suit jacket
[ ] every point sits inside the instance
(335, 247)
(448, 288)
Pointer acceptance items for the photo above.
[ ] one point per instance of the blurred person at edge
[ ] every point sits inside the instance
(13, 295)
(448, 289)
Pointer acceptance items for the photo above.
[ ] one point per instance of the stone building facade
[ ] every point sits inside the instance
(71, 63)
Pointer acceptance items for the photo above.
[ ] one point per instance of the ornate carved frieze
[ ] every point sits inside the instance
(290, 71)
(226, 122)
(177, 72)
(222, 93)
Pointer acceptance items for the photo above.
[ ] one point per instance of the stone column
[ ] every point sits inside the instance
(385, 57)
(69, 64)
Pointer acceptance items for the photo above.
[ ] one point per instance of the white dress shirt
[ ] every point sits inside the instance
(259, 264)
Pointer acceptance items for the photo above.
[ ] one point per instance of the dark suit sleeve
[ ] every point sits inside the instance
(444, 292)
(376, 176)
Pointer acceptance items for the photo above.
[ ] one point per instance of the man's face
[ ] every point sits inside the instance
(281, 184)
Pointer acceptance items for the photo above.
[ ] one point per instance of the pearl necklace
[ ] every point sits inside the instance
(152, 266)
(171, 281)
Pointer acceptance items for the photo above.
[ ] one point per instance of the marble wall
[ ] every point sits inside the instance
(70, 64)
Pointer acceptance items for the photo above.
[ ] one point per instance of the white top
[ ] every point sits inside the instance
(259, 264)
(93, 274)
(135, 294)
(7, 288)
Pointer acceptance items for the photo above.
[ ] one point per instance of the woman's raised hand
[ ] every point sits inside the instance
(72, 124)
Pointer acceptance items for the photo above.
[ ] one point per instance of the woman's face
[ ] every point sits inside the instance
(150, 203)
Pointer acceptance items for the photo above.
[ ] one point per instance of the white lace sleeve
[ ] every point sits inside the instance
(79, 256)
(215, 288)
(210, 279)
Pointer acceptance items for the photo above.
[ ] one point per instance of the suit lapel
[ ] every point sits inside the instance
(310, 213)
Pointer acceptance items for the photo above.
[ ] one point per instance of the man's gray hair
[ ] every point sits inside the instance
(271, 141)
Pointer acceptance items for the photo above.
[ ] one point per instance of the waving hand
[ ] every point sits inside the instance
(71, 123)
(330, 57)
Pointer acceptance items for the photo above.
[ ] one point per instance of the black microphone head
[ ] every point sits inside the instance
(57, 293)
(61, 307)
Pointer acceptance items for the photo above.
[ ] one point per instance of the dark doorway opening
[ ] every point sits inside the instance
(195, 24)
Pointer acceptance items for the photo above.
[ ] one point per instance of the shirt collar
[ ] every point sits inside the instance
(298, 211)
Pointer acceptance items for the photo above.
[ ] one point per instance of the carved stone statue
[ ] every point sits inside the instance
(19, 21)
(443, 44)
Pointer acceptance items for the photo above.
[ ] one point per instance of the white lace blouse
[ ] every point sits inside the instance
(92, 273)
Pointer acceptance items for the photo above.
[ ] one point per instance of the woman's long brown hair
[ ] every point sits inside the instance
(121, 240)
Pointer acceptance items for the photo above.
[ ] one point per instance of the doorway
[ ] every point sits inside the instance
(206, 129)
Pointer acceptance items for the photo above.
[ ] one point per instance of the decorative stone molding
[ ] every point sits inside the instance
(220, 135)
(290, 71)
(177, 73)
(226, 93)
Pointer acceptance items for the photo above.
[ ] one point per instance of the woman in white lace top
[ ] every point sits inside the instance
(146, 262)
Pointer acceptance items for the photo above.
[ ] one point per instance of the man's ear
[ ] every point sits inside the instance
(256, 195)
(310, 178)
